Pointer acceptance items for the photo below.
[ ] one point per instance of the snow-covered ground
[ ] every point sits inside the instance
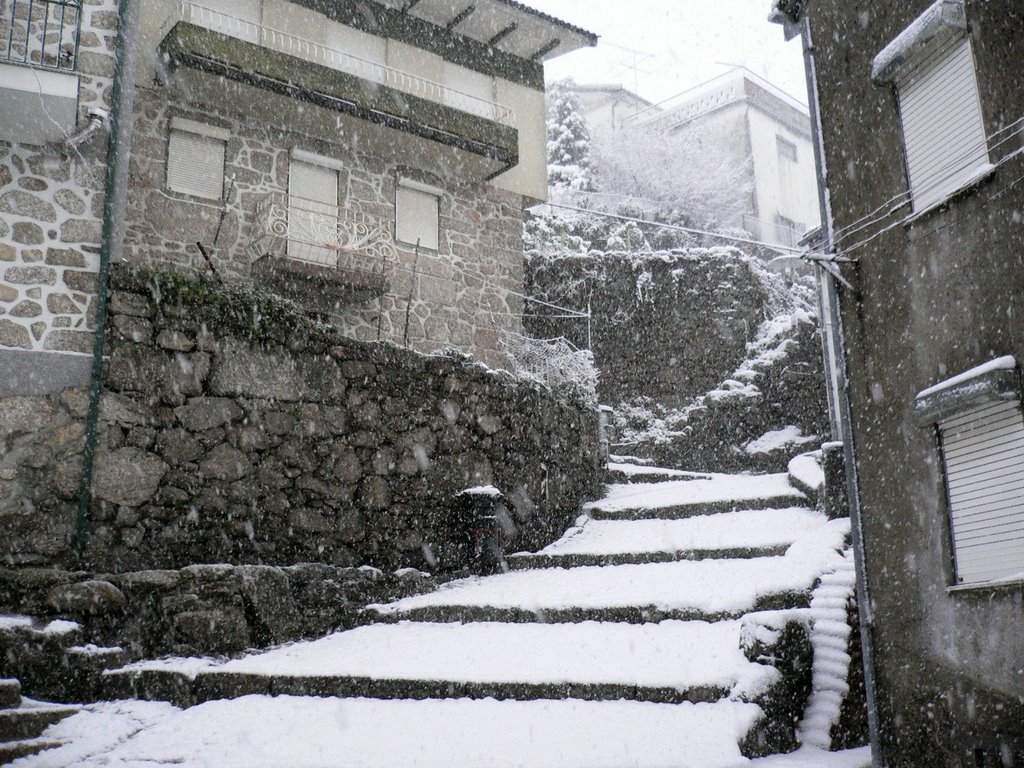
(302, 732)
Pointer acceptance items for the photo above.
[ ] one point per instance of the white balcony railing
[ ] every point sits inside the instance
(283, 42)
(322, 235)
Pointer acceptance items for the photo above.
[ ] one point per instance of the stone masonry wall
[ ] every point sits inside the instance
(235, 430)
(460, 293)
(666, 325)
(51, 207)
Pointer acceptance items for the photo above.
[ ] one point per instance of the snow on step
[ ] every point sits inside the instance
(729, 530)
(300, 732)
(697, 494)
(673, 655)
(710, 587)
(829, 636)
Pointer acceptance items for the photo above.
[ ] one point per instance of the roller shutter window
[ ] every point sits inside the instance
(195, 160)
(983, 455)
(416, 216)
(943, 127)
(312, 212)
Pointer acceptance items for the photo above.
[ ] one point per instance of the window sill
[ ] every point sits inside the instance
(973, 182)
(1012, 583)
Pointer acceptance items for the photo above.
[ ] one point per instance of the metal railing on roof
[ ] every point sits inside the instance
(284, 42)
(42, 33)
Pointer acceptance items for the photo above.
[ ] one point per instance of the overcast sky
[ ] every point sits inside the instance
(678, 44)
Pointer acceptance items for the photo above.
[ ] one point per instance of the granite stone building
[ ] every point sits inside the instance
(368, 159)
(921, 150)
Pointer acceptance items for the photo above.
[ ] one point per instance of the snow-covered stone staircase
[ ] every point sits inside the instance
(22, 722)
(621, 644)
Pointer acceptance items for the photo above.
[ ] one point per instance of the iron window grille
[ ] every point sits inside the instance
(42, 33)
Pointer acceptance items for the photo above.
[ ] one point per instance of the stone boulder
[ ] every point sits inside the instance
(91, 597)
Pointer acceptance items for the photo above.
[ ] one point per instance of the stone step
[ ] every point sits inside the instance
(617, 472)
(711, 589)
(590, 661)
(14, 750)
(632, 614)
(730, 535)
(524, 561)
(10, 693)
(30, 720)
(697, 508)
(675, 499)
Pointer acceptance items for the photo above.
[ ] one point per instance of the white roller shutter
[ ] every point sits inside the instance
(195, 164)
(416, 217)
(943, 128)
(983, 451)
(312, 212)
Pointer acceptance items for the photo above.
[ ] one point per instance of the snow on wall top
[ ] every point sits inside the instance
(937, 23)
(1000, 363)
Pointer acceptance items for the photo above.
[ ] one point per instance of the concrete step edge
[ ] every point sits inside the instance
(29, 722)
(698, 509)
(631, 614)
(13, 750)
(524, 561)
(181, 690)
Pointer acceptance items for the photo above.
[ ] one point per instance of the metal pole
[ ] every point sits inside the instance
(840, 416)
(412, 289)
(112, 248)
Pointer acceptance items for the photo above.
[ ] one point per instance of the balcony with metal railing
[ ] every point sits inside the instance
(42, 33)
(219, 43)
(312, 251)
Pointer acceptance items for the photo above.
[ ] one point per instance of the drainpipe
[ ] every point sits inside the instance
(114, 204)
(839, 399)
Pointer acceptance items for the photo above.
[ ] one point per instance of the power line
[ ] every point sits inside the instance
(678, 228)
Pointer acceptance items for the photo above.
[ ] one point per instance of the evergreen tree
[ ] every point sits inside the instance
(568, 139)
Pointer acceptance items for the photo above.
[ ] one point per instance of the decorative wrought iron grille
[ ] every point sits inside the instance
(309, 231)
(42, 33)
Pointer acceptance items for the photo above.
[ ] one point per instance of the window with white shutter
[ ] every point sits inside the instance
(312, 210)
(417, 215)
(980, 427)
(195, 159)
(983, 458)
(931, 65)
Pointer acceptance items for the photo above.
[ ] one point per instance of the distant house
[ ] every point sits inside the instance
(370, 160)
(921, 106)
(763, 128)
(607, 106)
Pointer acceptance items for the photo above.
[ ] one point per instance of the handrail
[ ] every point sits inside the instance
(284, 42)
(43, 33)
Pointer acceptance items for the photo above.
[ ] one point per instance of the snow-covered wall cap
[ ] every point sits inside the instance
(995, 380)
(942, 21)
(481, 490)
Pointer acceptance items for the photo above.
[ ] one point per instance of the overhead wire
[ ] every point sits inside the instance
(899, 200)
(677, 228)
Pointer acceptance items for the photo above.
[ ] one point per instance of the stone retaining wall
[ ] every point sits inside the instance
(234, 430)
(666, 325)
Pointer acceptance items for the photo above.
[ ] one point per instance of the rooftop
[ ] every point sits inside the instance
(507, 25)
